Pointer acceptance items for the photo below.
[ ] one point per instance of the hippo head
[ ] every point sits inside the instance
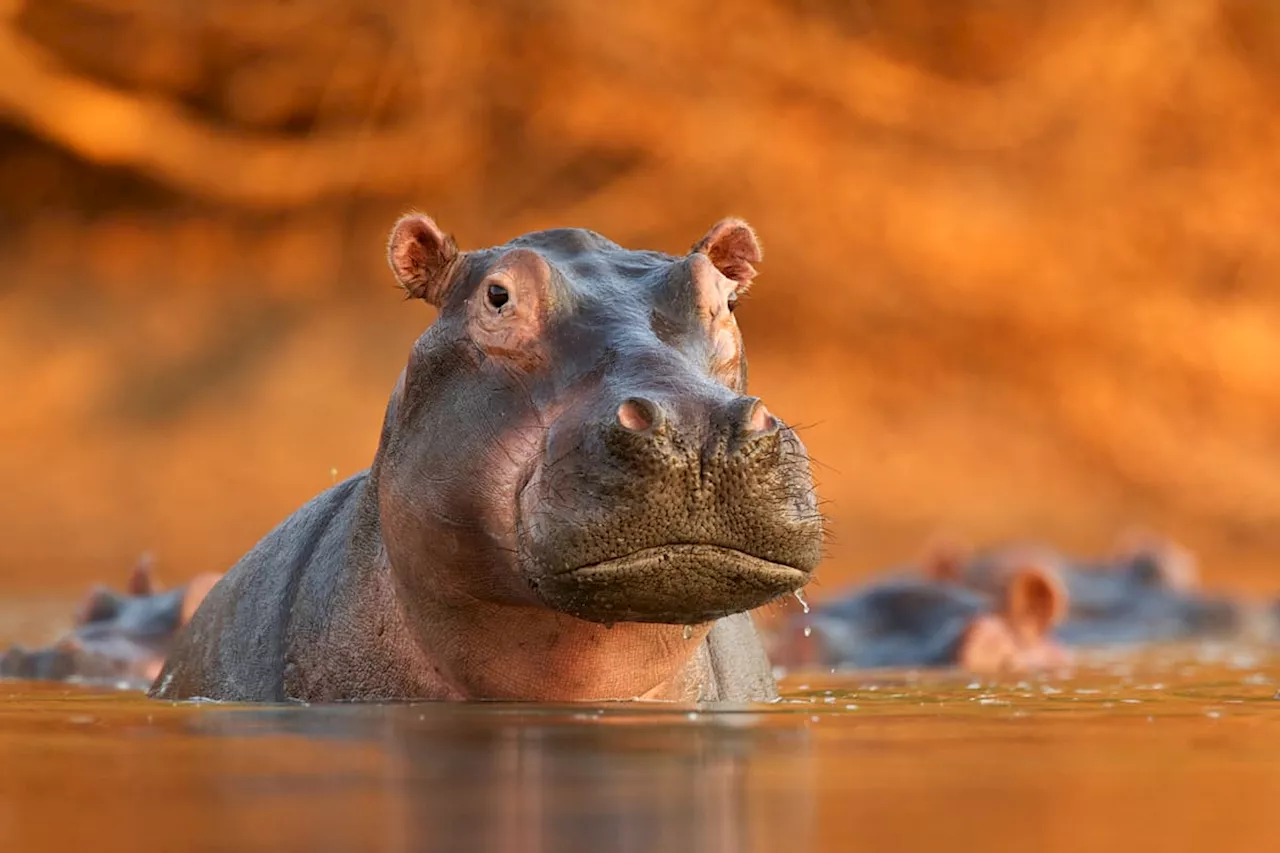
(1147, 590)
(574, 432)
(116, 637)
(911, 621)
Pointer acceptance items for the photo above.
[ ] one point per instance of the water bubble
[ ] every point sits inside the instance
(687, 632)
(692, 715)
(808, 632)
(804, 605)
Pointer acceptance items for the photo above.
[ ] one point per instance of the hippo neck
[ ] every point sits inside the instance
(535, 654)
(483, 650)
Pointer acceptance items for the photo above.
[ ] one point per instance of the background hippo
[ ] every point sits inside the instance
(572, 498)
(908, 620)
(1146, 591)
(119, 637)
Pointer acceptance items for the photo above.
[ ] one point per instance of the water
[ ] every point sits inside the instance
(1176, 750)
(1176, 754)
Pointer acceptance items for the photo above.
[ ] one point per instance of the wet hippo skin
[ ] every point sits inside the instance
(910, 620)
(572, 498)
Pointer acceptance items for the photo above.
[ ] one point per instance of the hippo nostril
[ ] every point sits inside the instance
(639, 415)
(759, 420)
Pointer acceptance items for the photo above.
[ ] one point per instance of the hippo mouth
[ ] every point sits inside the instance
(674, 584)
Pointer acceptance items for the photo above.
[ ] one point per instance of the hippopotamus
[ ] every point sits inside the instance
(908, 620)
(573, 497)
(115, 637)
(1146, 590)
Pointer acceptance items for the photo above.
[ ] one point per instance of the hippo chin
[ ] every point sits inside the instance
(572, 499)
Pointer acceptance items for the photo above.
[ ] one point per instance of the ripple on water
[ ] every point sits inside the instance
(840, 752)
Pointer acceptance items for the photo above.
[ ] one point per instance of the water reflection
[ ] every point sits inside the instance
(1181, 753)
(525, 779)
(432, 777)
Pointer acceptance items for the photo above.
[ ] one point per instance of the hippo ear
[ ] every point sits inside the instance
(1156, 561)
(944, 559)
(141, 580)
(1035, 599)
(733, 248)
(421, 256)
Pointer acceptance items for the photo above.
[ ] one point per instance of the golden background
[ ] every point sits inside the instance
(1020, 276)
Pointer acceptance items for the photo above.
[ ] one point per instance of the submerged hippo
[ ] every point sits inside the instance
(117, 637)
(1146, 591)
(572, 498)
(911, 620)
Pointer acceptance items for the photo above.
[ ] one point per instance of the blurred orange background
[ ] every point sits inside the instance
(1020, 275)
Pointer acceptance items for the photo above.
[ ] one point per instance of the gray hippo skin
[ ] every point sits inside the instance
(572, 498)
(1147, 591)
(116, 637)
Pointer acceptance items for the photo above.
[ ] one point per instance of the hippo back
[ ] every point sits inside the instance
(236, 646)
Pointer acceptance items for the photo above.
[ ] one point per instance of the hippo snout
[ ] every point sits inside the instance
(747, 418)
(676, 508)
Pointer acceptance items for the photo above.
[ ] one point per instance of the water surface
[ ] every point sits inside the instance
(1180, 752)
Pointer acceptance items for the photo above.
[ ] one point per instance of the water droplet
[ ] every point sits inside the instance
(808, 632)
(851, 707)
(804, 605)
(687, 632)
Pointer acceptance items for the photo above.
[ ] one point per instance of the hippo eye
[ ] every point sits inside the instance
(733, 300)
(498, 296)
